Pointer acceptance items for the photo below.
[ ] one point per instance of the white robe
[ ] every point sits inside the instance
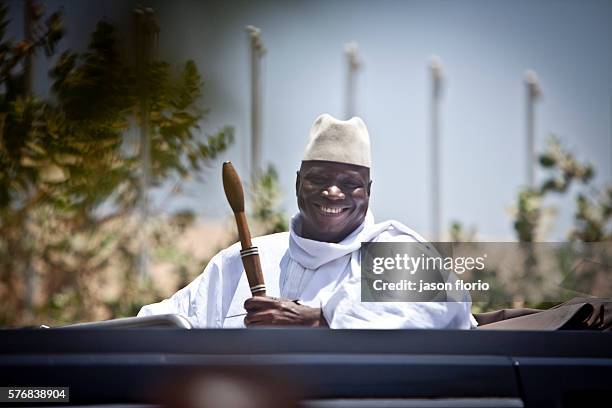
(317, 274)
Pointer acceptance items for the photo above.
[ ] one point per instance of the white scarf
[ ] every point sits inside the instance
(335, 285)
(333, 263)
(313, 254)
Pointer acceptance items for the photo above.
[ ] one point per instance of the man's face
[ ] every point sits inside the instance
(332, 198)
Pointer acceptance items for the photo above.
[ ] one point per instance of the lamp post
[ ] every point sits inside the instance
(28, 8)
(435, 70)
(146, 34)
(534, 92)
(351, 51)
(257, 52)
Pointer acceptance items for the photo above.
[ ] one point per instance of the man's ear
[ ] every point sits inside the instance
(369, 187)
(297, 182)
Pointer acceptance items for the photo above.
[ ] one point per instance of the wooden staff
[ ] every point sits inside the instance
(249, 253)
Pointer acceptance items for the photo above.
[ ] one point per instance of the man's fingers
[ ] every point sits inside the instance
(256, 303)
(255, 318)
(263, 311)
(270, 311)
(260, 302)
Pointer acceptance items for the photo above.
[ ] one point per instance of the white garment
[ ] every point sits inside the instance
(318, 274)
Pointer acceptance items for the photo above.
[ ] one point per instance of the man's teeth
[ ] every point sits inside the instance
(331, 210)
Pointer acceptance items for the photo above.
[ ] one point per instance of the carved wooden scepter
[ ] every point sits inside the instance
(249, 253)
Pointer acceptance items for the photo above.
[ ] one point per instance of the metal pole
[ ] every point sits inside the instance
(435, 69)
(28, 9)
(351, 50)
(146, 35)
(533, 93)
(30, 275)
(257, 52)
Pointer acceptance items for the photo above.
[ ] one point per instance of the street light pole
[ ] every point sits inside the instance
(146, 32)
(257, 52)
(533, 94)
(351, 51)
(28, 9)
(435, 69)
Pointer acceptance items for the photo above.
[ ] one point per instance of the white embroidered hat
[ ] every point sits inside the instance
(342, 141)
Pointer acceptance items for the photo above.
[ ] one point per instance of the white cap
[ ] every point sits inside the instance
(342, 141)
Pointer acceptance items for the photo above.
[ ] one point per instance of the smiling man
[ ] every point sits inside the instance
(333, 199)
(312, 272)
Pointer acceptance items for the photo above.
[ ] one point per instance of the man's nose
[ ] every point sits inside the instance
(333, 193)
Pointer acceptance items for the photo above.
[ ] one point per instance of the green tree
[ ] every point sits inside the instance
(592, 224)
(592, 221)
(69, 181)
(266, 203)
(563, 171)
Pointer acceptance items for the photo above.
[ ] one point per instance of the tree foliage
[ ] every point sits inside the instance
(593, 208)
(69, 178)
(592, 224)
(266, 202)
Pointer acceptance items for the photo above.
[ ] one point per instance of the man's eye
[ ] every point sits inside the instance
(316, 180)
(353, 185)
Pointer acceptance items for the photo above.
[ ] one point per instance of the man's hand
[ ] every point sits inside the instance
(269, 311)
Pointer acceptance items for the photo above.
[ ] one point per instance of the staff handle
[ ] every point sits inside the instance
(249, 253)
